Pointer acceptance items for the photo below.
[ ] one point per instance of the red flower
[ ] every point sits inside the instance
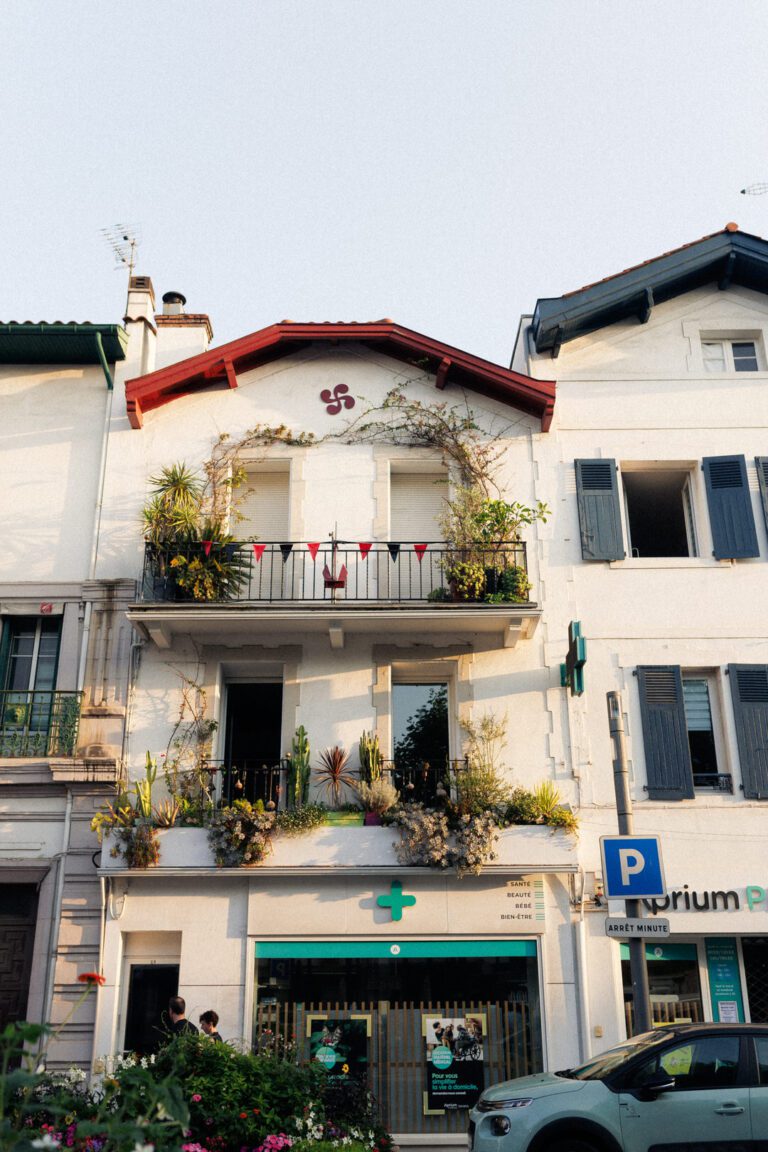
(243, 1115)
(91, 978)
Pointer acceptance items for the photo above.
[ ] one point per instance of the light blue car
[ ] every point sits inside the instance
(682, 1088)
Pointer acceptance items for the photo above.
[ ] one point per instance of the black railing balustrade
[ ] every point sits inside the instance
(334, 572)
(425, 782)
(38, 724)
(254, 779)
(249, 779)
(717, 781)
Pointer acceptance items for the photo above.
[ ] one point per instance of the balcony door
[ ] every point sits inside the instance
(29, 657)
(416, 502)
(263, 515)
(420, 731)
(253, 738)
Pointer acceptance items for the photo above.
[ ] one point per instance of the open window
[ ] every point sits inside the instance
(682, 734)
(252, 766)
(659, 512)
(660, 508)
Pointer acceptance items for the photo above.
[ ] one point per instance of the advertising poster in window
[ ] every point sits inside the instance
(454, 1055)
(341, 1046)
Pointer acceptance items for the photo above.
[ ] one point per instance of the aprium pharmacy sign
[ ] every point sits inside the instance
(685, 899)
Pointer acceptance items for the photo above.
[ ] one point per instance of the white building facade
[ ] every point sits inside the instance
(656, 464)
(651, 454)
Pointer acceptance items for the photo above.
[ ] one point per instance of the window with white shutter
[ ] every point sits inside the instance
(264, 512)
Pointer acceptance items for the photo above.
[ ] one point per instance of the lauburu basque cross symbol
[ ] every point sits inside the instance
(396, 900)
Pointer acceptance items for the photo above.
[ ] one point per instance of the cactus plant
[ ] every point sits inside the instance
(299, 769)
(371, 757)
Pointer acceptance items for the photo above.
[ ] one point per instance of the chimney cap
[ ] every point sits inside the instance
(174, 298)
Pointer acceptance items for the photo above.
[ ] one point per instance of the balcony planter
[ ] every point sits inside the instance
(345, 819)
(179, 848)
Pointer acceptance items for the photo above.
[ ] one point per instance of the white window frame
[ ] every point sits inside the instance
(730, 330)
(691, 495)
(727, 358)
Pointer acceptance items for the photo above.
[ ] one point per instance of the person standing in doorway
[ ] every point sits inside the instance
(177, 1010)
(209, 1022)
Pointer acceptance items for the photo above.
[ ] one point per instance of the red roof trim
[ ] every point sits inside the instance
(143, 393)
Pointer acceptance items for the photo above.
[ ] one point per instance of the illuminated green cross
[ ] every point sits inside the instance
(396, 901)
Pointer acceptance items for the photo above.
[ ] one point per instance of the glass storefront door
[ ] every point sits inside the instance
(422, 1007)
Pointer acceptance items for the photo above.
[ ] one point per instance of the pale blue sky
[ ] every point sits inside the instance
(440, 162)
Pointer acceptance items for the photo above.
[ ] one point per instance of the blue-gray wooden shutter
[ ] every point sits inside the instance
(761, 463)
(730, 507)
(665, 734)
(597, 491)
(749, 689)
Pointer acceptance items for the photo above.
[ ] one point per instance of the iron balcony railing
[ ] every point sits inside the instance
(38, 723)
(717, 781)
(335, 572)
(253, 780)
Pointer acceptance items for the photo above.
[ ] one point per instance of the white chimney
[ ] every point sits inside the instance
(180, 334)
(140, 326)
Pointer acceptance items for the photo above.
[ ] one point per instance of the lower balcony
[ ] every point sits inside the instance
(329, 849)
(213, 591)
(38, 725)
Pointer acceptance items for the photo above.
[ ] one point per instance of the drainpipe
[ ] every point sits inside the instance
(99, 505)
(53, 940)
(580, 949)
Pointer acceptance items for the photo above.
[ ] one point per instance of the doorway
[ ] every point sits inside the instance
(253, 742)
(150, 987)
(18, 918)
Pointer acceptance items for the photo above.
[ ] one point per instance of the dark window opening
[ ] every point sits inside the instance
(701, 736)
(659, 514)
(252, 752)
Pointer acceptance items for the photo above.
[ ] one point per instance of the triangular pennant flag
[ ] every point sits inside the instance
(207, 547)
(420, 549)
(286, 550)
(258, 551)
(312, 549)
(364, 550)
(394, 550)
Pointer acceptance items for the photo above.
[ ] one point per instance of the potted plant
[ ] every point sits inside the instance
(333, 775)
(480, 534)
(371, 757)
(377, 798)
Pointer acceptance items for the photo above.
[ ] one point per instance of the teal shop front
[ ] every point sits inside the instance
(426, 1022)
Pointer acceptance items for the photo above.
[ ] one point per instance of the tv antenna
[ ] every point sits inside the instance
(123, 239)
(754, 190)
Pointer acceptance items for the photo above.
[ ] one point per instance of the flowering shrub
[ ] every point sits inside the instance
(445, 840)
(241, 834)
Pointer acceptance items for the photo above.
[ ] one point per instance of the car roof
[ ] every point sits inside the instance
(691, 1029)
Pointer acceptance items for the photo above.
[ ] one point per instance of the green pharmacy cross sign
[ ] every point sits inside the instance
(396, 900)
(572, 672)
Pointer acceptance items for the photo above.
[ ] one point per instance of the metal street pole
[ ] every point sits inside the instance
(641, 996)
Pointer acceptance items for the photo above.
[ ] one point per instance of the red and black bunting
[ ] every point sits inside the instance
(313, 550)
(420, 549)
(258, 551)
(394, 550)
(364, 550)
(286, 550)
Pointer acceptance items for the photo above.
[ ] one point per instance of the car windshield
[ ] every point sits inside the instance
(601, 1066)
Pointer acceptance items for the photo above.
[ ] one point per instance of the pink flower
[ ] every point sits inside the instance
(196, 1098)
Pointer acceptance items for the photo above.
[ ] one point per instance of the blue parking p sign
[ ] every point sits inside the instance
(632, 868)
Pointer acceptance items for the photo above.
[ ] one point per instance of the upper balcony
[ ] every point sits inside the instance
(216, 590)
(38, 724)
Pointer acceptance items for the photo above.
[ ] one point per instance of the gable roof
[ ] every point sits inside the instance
(726, 257)
(450, 365)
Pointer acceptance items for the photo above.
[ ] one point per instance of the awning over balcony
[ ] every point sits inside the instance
(496, 625)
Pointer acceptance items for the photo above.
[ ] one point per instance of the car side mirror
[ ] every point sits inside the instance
(661, 1081)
